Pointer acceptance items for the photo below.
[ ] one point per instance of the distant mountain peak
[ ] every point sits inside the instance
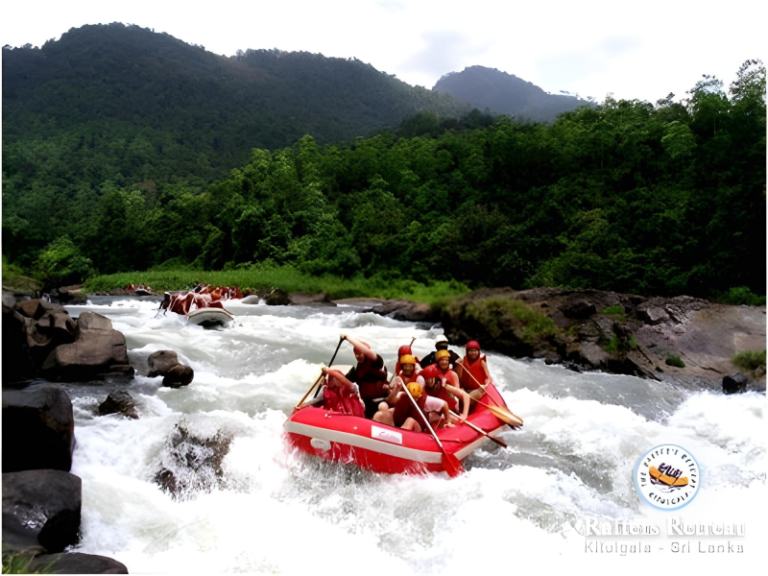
(504, 93)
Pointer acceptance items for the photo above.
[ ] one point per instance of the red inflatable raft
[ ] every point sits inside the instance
(381, 448)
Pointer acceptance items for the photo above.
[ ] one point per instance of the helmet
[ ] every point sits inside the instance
(429, 372)
(403, 350)
(415, 389)
(473, 345)
(441, 338)
(442, 354)
(407, 359)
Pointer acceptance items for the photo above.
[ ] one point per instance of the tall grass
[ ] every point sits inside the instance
(287, 278)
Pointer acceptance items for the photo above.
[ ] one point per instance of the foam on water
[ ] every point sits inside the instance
(280, 511)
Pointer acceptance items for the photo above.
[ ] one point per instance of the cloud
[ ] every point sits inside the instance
(444, 51)
(392, 5)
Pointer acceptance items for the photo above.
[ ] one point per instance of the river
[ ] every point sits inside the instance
(276, 511)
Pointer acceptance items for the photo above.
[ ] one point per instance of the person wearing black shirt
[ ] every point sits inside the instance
(369, 374)
(441, 343)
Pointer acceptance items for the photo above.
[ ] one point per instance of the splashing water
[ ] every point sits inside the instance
(272, 510)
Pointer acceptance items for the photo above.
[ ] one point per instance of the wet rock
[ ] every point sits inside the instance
(252, 299)
(579, 309)
(77, 563)
(37, 307)
(91, 357)
(18, 364)
(304, 299)
(47, 502)
(589, 354)
(92, 321)
(735, 384)
(119, 402)
(161, 362)
(178, 376)
(38, 429)
(18, 538)
(191, 462)
(277, 297)
(406, 311)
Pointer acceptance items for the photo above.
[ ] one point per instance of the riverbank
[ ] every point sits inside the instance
(286, 279)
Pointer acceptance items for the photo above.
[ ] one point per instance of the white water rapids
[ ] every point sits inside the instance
(277, 511)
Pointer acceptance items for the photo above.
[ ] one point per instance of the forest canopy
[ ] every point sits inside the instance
(664, 198)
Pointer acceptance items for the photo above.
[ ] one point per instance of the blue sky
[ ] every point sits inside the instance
(633, 50)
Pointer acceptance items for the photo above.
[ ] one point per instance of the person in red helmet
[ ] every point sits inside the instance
(340, 395)
(473, 371)
(405, 350)
(369, 374)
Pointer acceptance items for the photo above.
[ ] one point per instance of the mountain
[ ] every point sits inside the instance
(504, 93)
(146, 105)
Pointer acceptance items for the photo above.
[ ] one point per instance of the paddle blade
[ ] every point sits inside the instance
(505, 416)
(452, 465)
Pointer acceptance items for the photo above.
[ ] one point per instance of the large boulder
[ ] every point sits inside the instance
(46, 502)
(406, 311)
(18, 365)
(98, 352)
(38, 428)
(161, 362)
(119, 402)
(77, 563)
(735, 384)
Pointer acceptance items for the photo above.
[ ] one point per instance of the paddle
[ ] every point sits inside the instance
(481, 431)
(450, 463)
(321, 375)
(501, 413)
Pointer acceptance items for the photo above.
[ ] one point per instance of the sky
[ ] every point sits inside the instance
(642, 50)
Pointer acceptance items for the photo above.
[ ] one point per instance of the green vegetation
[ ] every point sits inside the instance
(137, 169)
(674, 360)
(497, 315)
(617, 312)
(750, 361)
(289, 279)
(19, 564)
(743, 295)
(613, 345)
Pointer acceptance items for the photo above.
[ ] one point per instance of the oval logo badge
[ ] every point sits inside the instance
(667, 477)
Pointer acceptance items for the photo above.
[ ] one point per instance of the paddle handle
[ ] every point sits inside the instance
(483, 432)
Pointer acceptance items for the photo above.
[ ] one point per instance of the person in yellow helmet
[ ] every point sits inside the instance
(395, 407)
(434, 409)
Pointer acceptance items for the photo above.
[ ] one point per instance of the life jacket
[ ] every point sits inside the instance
(439, 391)
(342, 400)
(475, 369)
(182, 304)
(371, 380)
(417, 414)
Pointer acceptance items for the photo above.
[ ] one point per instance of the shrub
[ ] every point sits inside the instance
(616, 311)
(61, 262)
(750, 361)
(674, 360)
(494, 314)
(743, 295)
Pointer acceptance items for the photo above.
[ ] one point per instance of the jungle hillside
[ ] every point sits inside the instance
(126, 150)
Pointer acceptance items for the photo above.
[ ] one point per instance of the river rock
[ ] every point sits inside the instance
(77, 563)
(161, 362)
(38, 429)
(407, 311)
(18, 365)
(18, 538)
(252, 299)
(178, 376)
(119, 402)
(97, 352)
(315, 300)
(37, 307)
(92, 321)
(277, 297)
(46, 501)
(735, 384)
(579, 309)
